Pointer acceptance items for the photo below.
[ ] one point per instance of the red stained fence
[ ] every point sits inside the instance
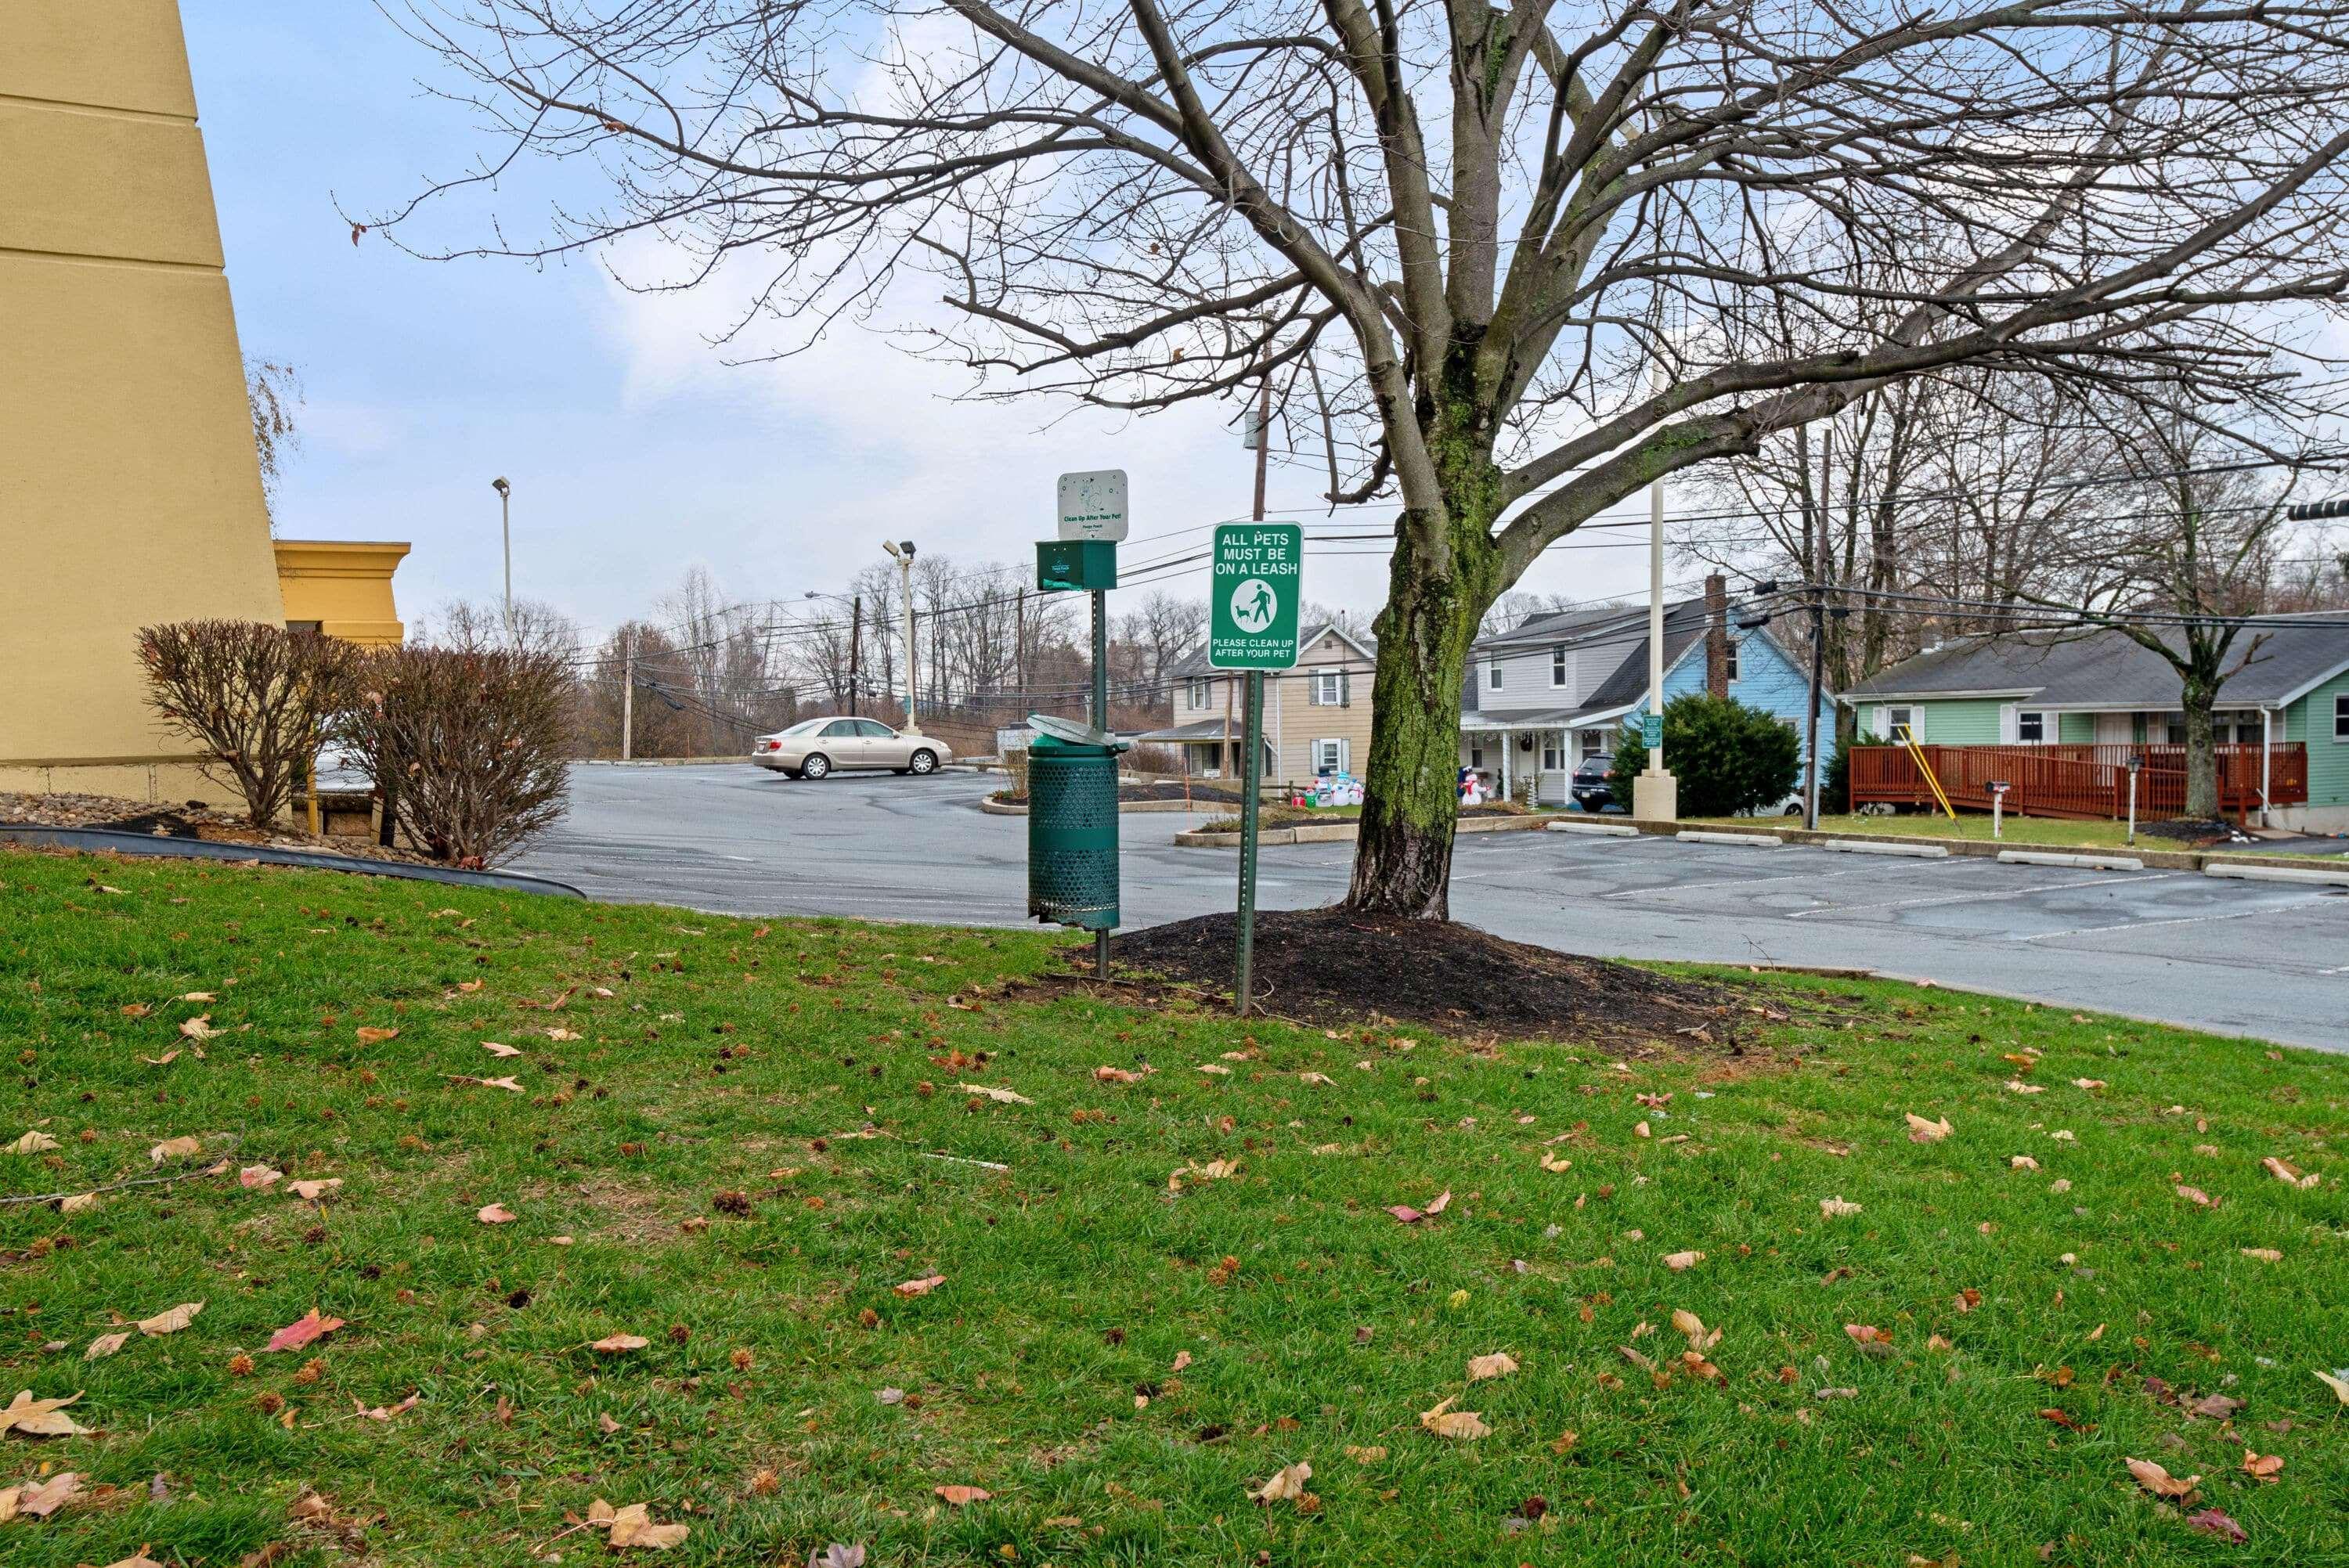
(2078, 781)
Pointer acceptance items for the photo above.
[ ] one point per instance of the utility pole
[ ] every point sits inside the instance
(1655, 795)
(1811, 721)
(1019, 643)
(855, 648)
(627, 693)
(904, 550)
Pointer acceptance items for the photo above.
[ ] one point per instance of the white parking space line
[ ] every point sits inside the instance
(2182, 920)
(1979, 897)
(1755, 882)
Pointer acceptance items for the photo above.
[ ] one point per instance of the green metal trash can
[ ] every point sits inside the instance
(1072, 824)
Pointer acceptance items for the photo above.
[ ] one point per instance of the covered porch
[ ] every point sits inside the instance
(1544, 745)
(1208, 751)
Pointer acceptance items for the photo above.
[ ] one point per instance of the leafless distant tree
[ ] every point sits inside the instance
(273, 391)
(725, 666)
(2175, 562)
(1506, 263)
(1160, 630)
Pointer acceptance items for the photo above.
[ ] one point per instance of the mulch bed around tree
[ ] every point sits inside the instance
(211, 824)
(2199, 832)
(1331, 966)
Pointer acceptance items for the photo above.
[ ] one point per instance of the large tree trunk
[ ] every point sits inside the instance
(2202, 751)
(1411, 797)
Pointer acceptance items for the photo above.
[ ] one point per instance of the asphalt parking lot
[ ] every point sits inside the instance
(2264, 959)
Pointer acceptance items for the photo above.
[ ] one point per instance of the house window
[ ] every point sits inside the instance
(1329, 688)
(1729, 659)
(2178, 730)
(2031, 726)
(1493, 674)
(1558, 664)
(1330, 756)
(1476, 756)
(1552, 761)
(2341, 718)
(1200, 691)
(1900, 723)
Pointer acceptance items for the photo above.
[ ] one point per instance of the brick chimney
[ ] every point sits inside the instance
(1716, 634)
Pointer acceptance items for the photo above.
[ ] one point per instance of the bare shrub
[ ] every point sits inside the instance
(467, 744)
(256, 696)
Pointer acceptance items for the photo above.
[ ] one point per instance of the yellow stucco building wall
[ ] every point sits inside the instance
(128, 489)
(342, 587)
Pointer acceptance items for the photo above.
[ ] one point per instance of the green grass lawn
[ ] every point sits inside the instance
(2046, 833)
(747, 1149)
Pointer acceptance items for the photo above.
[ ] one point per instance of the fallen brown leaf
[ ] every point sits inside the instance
(302, 1331)
(40, 1417)
(2159, 1481)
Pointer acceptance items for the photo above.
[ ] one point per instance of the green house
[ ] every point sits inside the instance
(2283, 708)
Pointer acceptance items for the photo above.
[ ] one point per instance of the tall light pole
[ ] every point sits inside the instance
(1655, 794)
(902, 550)
(506, 526)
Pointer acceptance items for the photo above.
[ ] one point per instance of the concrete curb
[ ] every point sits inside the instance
(2154, 860)
(994, 807)
(1738, 840)
(1346, 832)
(2304, 874)
(91, 841)
(2088, 862)
(1886, 847)
(1596, 830)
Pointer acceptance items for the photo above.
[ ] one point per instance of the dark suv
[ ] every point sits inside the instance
(1590, 789)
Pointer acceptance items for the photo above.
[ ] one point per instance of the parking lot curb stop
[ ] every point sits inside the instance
(1865, 847)
(2081, 862)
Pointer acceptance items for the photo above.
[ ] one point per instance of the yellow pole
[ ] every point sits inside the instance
(1909, 739)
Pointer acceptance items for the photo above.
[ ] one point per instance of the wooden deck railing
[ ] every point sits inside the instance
(2078, 782)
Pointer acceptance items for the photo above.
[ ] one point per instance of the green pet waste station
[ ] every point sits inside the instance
(1072, 823)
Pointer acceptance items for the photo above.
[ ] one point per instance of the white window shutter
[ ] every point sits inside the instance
(1345, 755)
(2009, 724)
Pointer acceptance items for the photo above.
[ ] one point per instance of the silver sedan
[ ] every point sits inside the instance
(815, 748)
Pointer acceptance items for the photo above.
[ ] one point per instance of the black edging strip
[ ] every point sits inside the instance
(50, 837)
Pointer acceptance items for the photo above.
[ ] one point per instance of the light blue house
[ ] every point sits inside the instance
(1542, 698)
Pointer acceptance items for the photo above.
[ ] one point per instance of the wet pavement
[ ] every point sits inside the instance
(2265, 959)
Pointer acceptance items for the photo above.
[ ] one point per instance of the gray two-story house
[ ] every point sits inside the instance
(1543, 696)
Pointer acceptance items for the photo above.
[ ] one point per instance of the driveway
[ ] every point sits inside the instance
(2258, 958)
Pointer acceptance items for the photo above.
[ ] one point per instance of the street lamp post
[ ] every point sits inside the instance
(1655, 794)
(902, 550)
(505, 527)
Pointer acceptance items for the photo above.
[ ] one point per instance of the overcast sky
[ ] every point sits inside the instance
(635, 451)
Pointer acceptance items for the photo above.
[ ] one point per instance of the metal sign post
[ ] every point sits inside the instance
(2133, 764)
(1256, 586)
(1998, 788)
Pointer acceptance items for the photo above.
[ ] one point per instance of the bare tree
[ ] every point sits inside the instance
(2175, 563)
(273, 393)
(1160, 630)
(1507, 264)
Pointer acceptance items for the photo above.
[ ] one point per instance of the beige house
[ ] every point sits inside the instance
(130, 492)
(1317, 716)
